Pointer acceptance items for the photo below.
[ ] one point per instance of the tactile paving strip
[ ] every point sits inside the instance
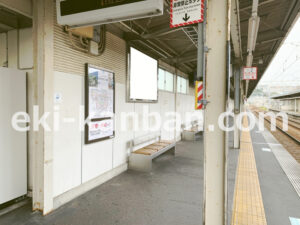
(248, 206)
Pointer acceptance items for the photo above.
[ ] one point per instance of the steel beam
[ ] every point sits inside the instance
(260, 4)
(160, 32)
(187, 57)
(235, 29)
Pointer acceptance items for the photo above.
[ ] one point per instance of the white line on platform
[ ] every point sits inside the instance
(266, 150)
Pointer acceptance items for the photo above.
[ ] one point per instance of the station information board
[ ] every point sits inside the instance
(250, 73)
(186, 12)
(100, 103)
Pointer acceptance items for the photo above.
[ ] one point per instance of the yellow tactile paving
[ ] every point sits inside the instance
(248, 205)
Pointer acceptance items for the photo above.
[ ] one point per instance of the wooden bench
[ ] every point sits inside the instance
(190, 133)
(141, 159)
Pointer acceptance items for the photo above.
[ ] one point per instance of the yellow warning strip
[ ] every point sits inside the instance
(248, 205)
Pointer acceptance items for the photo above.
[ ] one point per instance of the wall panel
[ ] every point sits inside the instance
(67, 139)
(69, 60)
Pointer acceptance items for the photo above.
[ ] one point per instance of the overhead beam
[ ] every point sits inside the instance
(186, 59)
(268, 34)
(160, 32)
(160, 48)
(260, 42)
(23, 7)
(261, 53)
(8, 19)
(260, 4)
(235, 29)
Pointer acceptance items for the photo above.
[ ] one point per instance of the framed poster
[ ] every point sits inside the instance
(100, 130)
(99, 103)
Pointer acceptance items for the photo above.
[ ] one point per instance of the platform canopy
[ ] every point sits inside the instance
(178, 46)
(276, 19)
(291, 95)
(10, 20)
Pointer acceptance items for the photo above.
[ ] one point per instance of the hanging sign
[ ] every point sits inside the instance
(198, 95)
(186, 12)
(250, 73)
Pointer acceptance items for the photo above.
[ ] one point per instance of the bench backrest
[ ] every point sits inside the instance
(144, 139)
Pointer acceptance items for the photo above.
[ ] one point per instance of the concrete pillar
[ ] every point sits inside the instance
(214, 138)
(43, 97)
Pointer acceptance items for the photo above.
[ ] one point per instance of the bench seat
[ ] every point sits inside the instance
(190, 133)
(141, 159)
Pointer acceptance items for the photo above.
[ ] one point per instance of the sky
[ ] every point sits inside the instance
(285, 67)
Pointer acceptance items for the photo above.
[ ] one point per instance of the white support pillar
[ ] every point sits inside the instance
(43, 97)
(214, 137)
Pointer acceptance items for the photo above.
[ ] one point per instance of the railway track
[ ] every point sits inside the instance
(293, 131)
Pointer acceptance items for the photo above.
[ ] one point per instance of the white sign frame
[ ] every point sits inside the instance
(250, 73)
(191, 12)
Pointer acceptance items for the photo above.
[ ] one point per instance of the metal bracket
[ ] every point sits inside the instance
(206, 49)
(204, 102)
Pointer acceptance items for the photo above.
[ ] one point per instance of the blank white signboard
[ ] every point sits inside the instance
(13, 154)
(143, 76)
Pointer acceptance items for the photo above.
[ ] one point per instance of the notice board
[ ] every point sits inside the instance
(99, 103)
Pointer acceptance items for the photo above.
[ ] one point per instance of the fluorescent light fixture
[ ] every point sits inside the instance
(252, 32)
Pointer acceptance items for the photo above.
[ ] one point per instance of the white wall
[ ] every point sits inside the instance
(16, 48)
(100, 158)
(12, 43)
(25, 48)
(76, 163)
(16, 51)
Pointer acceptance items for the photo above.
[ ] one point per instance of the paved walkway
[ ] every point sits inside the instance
(248, 206)
(172, 193)
(264, 194)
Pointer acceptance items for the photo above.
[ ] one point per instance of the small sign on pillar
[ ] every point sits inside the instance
(250, 73)
(198, 95)
(186, 12)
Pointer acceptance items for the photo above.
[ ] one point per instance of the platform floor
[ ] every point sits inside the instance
(248, 205)
(172, 193)
(280, 199)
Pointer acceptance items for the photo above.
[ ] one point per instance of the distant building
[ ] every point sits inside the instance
(287, 102)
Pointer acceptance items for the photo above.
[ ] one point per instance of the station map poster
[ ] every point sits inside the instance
(100, 105)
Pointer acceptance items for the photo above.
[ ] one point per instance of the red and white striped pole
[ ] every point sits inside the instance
(199, 95)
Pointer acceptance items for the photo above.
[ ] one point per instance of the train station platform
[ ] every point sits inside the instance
(259, 190)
